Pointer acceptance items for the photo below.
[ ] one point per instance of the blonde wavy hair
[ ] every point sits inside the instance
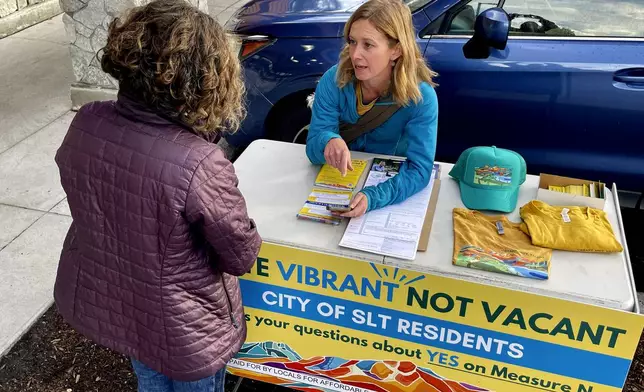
(393, 19)
(179, 62)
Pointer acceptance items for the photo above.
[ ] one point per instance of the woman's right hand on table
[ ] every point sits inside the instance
(337, 154)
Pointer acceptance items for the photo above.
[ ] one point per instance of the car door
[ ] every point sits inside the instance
(420, 21)
(567, 92)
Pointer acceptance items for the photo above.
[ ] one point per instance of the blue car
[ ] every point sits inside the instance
(559, 81)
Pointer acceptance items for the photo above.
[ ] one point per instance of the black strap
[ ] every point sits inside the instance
(369, 121)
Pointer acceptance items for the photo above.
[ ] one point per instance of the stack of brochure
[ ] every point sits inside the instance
(593, 189)
(330, 177)
(331, 190)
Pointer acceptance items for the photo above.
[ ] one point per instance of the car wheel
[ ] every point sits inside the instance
(291, 125)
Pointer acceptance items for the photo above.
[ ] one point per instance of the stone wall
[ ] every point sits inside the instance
(86, 23)
(16, 15)
(8, 7)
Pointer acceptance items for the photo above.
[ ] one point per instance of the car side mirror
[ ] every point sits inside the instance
(491, 31)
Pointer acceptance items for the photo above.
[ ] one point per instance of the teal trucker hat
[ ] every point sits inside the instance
(489, 178)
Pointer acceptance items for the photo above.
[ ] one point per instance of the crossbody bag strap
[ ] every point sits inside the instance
(371, 120)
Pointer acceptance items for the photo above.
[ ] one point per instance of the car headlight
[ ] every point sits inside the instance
(252, 44)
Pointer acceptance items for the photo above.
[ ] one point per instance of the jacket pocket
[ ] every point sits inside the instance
(229, 302)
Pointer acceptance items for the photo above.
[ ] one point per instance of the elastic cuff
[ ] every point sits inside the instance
(366, 194)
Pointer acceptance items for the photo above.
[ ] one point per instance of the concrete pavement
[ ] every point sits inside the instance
(35, 78)
(35, 74)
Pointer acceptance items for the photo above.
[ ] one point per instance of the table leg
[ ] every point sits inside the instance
(239, 382)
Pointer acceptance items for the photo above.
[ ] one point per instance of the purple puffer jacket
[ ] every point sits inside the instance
(159, 233)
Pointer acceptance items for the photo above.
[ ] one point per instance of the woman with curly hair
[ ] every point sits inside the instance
(160, 230)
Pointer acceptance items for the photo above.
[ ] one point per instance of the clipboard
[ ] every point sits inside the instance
(423, 242)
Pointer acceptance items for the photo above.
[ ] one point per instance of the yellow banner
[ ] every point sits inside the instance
(321, 322)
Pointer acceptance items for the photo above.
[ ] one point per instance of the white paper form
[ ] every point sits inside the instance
(393, 230)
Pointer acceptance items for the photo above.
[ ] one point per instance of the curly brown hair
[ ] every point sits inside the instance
(178, 61)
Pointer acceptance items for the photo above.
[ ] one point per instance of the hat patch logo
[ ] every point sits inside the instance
(493, 176)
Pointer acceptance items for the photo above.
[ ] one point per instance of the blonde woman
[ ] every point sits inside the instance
(160, 230)
(380, 66)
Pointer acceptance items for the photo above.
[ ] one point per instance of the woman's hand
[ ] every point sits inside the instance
(337, 154)
(358, 206)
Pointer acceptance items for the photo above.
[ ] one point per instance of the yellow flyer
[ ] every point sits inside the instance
(330, 177)
(315, 207)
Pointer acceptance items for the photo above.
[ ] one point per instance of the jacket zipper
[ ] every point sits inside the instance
(230, 304)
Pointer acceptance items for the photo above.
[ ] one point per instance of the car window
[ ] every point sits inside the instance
(461, 20)
(576, 18)
(415, 5)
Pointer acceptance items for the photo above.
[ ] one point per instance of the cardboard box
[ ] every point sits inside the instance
(565, 199)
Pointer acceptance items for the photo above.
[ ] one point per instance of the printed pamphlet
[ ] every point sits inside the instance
(315, 207)
(330, 177)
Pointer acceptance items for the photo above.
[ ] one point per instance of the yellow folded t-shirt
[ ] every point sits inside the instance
(579, 229)
(480, 244)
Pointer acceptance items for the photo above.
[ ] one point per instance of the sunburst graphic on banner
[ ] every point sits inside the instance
(406, 280)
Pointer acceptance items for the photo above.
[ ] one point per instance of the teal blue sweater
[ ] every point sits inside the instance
(410, 132)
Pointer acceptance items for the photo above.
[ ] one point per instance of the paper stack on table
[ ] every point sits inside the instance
(330, 177)
(594, 189)
(332, 190)
(315, 207)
